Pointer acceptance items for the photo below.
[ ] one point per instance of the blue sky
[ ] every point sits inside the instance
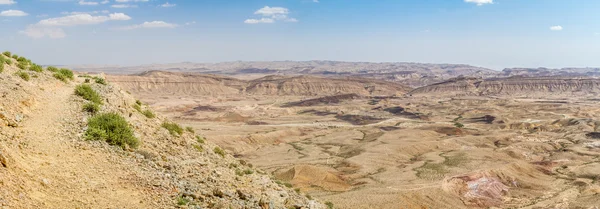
(487, 33)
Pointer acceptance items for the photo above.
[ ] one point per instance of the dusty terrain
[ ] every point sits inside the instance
(464, 143)
(47, 163)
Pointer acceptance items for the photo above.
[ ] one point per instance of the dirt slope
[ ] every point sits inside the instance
(46, 163)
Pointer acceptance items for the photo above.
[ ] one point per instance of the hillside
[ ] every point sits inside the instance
(410, 74)
(97, 147)
(160, 82)
(514, 86)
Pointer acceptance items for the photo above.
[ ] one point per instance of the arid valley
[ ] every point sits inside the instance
(478, 139)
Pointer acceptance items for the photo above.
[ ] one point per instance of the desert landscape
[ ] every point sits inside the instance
(497, 140)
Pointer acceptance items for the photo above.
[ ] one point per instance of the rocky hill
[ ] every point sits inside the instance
(411, 74)
(204, 84)
(514, 86)
(546, 72)
(76, 141)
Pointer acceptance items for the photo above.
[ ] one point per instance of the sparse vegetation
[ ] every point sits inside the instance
(137, 107)
(99, 80)
(91, 107)
(200, 139)
(138, 102)
(329, 205)
(459, 125)
(52, 69)
(112, 128)
(86, 92)
(182, 200)
(22, 59)
(24, 75)
(190, 129)
(1, 66)
(22, 65)
(173, 128)
(64, 75)
(219, 151)
(198, 147)
(14, 56)
(36, 68)
(148, 114)
(288, 185)
(6, 53)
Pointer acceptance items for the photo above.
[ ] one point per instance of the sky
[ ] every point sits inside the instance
(495, 34)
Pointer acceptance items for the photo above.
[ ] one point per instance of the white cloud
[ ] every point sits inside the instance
(13, 13)
(168, 5)
(89, 12)
(41, 32)
(125, 1)
(270, 11)
(118, 16)
(122, 6)
(480, 2)
(556, 28)
(261, 20)
(105, 2)
(7, 2)
(81, 19)
(271, 15)
(190, 23)
(52, 27)
(88, 3)
(153, 24)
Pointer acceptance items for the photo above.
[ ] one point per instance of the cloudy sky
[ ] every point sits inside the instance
(488, 33)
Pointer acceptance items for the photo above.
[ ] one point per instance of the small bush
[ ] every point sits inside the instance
(91, 108)
(61, 77)
(219, 151)
(148, 114)
(22, 65)
(67, 73)
(8, 61)
(14, 56)
(22, 59)
(173, 128)
(182, 200)
(86, 92)
(138, 102)
(459, 125)
(87, 80)
(198, 147)
(6, 53)
(190, 129)
(329, 205)
(24, 75)
(52, 69)
(1, 67)
(36, 68)
(200, 139)
(112, 128)
(137, 107)
(100, 80)
(288, 185)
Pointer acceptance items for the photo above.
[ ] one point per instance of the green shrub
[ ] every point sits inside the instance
(60, 77)
(100, 80)
(87, 80)
(52, 69)
(67, 73)
(14, 56)
(459, 125)
(22, 59)
(219, 151)
(329, 205)
(22, 65)
(173, 128)
(1, 67)
(138, 102)
(112, 128)
(24, 75)
(198, 147)
(8, 61)
(200, 139)
(182, 200)
(91, 107)
(148, 114)
(86, 92)
(190, 129)
(288, 185)
(36, 68)
(6, 53)
(137, 107)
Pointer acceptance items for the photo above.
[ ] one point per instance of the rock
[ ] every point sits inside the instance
(18, 117)
(3, 160)
(45, 182)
